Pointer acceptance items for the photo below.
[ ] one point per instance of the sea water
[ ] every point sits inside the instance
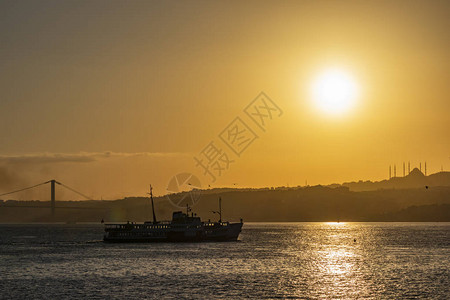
(270, 260)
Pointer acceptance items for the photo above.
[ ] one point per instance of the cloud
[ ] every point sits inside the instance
(82, 157)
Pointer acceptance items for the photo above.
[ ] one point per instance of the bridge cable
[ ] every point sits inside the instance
(27, 188)
(75, 191)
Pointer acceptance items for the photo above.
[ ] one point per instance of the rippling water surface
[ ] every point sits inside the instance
(271, 260)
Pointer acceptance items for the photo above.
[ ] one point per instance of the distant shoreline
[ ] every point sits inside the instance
(310, 204)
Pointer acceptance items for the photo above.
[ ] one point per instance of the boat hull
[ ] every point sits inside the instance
(151, 240)
(144, 233)
(229, 232)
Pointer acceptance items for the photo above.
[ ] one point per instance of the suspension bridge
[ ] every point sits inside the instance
(53, 207)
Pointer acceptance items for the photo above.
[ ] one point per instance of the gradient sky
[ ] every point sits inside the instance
(109, 96)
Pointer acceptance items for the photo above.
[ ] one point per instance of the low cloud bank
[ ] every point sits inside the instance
(82, 157)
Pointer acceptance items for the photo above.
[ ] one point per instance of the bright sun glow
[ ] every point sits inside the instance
(334, 91)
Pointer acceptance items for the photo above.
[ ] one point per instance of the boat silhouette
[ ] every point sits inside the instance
(184, 227)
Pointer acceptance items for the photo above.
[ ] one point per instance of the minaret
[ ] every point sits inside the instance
(403, 169)
(395, 171)
(390, 172)
(420, 167)
(409, 167)
(425, 168)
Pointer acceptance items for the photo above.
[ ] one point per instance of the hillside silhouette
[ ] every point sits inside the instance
(415, 179)
(415, 197)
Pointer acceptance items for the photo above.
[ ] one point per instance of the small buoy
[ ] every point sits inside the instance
(354, 240)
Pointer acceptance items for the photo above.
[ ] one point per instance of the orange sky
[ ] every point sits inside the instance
(152, 83)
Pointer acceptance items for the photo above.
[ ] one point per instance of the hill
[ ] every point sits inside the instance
(300, 204)
(415, 179)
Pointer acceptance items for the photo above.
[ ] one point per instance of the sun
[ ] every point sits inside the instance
(334, 91)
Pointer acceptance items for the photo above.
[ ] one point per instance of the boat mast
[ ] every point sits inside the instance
(153, 206)
(220, 209)
(188, 209)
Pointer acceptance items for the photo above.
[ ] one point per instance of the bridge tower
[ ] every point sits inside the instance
(53, 197)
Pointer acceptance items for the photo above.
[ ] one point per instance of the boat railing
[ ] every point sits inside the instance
(210, 224)
(130, 226)
(159, 223)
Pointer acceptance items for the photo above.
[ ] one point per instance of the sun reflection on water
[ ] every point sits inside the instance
(334, 223)
(337, 256)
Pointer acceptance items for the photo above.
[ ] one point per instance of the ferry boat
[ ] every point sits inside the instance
(182, 228)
